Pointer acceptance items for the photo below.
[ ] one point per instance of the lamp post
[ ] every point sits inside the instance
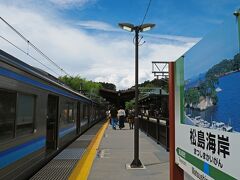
(136, 163)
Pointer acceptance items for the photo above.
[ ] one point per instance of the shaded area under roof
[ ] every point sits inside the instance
(118, 98)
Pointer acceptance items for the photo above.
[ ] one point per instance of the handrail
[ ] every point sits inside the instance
(156, 128)
(161, 121)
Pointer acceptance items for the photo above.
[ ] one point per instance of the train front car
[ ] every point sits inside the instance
(39, 116)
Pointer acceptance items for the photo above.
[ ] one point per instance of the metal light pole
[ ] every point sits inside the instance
(136, 163)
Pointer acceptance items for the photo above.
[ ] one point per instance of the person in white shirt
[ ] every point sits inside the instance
(108, 116)
(121, 117)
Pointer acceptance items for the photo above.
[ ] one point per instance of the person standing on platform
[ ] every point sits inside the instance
(131, 119)
(114, 113)
(108, 116)
(121, 117)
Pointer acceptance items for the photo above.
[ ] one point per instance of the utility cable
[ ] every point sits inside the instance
(34, 47)
(28, 55)
(144, 17)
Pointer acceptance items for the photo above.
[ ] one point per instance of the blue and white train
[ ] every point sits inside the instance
(39, 116)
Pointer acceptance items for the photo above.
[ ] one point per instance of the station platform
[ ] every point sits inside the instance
(63, 165)
(102, 153)
(116, 150)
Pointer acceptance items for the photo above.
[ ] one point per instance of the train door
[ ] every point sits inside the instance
(52, 122)
(78, 118)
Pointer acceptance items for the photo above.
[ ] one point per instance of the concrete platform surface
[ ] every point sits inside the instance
(116, 150)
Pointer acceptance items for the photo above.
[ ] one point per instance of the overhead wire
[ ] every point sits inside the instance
(34, 47)
(144, 17)
(29, 55)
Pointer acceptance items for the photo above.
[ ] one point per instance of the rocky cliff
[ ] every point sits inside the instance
(204, 103)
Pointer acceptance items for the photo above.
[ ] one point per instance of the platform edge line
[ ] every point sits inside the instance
(82, 169)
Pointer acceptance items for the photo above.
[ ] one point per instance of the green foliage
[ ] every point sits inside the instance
(224, 67)
(236, 62)
(208, 86)
(162, 83)
(78, 83)
(212, 76)
(129, 104)
(192, 96)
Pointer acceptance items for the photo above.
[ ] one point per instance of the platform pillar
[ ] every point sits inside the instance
(176, 173)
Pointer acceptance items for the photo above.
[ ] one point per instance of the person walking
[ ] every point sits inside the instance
(108, 116)
(114, 113)
(121, 117)
(131, 119)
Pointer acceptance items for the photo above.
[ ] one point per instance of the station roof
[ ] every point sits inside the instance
(117, 98)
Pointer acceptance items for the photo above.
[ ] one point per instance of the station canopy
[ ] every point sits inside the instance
(118, 98)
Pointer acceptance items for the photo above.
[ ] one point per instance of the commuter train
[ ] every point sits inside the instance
(39, 116)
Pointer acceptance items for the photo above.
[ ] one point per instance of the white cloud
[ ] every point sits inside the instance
(102, 56)
(96, 25)
(173, 38)
(67, 3)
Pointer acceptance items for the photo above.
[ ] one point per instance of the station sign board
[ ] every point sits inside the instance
(207, 106)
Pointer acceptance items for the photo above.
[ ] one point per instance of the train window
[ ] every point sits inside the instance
(93, 113)
(82, 114)
(68, 113)
(7, 114)
(86, 112)
(25, 114)
(65, 113)
(97, 113)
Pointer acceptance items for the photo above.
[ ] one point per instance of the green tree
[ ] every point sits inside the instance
(77, 82)
(162, 83)
(129, 104)
(192, 96)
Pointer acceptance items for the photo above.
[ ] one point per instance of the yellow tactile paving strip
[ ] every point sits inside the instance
(83, 167)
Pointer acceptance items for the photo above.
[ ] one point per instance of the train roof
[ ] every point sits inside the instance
(39, 73)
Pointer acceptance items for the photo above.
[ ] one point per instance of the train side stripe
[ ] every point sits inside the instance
(27, 80)
(11, 155)
(21, 151)
(8, 151)
(66, 131)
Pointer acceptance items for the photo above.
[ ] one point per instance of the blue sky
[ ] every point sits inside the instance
(220, 44)
(185, 18)
(83, 37)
